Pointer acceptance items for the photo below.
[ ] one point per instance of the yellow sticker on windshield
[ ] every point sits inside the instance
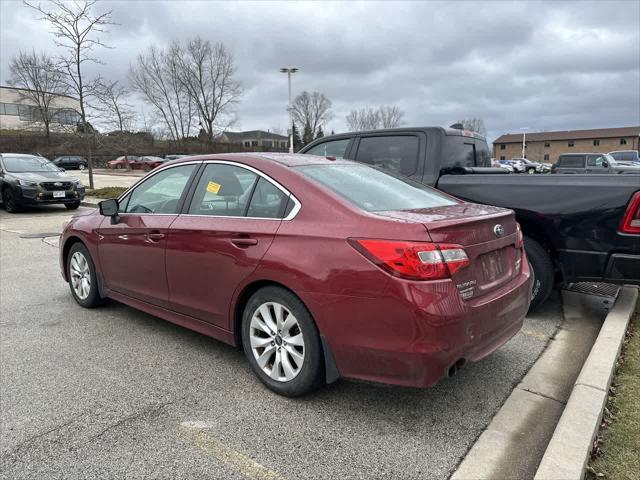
(213, 187)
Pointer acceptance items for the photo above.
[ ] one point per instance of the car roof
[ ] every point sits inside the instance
(285, 159)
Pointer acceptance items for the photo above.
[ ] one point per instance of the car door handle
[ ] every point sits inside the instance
(244, 242)
(155, 236)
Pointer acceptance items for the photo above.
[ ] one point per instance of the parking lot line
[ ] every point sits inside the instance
(245, 466)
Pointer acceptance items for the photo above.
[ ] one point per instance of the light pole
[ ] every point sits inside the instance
(289, 71)
(524, 138)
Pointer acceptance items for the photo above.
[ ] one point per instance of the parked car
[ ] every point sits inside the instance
(625, 156)
(149, 162)
(518, 165)
(70, 162)
(506, 164)
(590, 163)
(529, 166)
(316, 272)
(126, 161)
(34, 180)
(575, 226)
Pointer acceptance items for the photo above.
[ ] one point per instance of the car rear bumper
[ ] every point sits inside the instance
(415, 333)
(590, 266)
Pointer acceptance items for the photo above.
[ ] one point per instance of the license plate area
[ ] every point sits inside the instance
(59, 194)
(495, 265)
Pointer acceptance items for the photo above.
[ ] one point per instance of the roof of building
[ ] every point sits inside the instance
(570, 135)
(252, 135)
(28, 90)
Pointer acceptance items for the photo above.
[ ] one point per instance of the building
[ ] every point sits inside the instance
(548, 146)
(255, 138)
(19, 112)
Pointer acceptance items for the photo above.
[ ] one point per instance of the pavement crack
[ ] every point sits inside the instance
(37, 436)
(142, 413)
(561, 402)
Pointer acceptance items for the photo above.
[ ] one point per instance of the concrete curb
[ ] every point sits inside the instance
(570, 446)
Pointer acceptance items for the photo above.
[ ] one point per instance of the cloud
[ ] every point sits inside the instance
(545, 65)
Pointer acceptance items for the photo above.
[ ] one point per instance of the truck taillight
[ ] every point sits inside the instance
(631, 220)
(413, 260)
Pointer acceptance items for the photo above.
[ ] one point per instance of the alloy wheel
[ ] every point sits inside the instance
(80, 275)
(277, 342)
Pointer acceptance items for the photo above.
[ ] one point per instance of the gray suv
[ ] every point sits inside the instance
(590, 163)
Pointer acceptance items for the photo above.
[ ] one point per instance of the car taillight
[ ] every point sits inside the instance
(413, 260)
(631, 220)
(519, 239)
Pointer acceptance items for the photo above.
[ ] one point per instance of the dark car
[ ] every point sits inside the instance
(572, 163)
(573, 224)
(318, 268)
(34, 180)
(71, 162)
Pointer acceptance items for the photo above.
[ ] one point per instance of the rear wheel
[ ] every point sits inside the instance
(542, 270)
(83, 281)
(281, 342)
(9, 201)
(81, 166)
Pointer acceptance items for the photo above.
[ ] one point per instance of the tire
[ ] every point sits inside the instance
(72, 206)
(531, 171)
(542, 272)
(86, 270)
(304, 376)
(9, 201)
(81, 166)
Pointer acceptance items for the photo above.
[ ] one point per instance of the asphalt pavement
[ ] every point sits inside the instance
(116, 393)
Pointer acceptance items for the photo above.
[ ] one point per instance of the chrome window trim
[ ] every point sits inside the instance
(294, 211)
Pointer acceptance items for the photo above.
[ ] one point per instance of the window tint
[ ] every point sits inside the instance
(395, 153)
(336, 148)
(373, 190)
(267, 201)
(223, 190)
(574, 161)
(161, 192)
(458, 151)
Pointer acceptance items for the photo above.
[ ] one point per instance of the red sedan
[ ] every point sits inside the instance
(125, 161)
(318, 268)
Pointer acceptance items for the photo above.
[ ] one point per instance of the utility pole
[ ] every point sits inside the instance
(289, 71)
(524, 139)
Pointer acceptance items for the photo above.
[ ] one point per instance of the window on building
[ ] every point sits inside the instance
(547, 144)
(623, 141)
(571, 143)
(525, 155)
(10, 109)
(283, 144)
(596, 143)
(247, 143)
(267, 143)
(254, 143)
(502, 157)
(546, 157)
(503, 146)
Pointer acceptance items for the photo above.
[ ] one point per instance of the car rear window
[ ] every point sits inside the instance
(373, 190)
(574, 161)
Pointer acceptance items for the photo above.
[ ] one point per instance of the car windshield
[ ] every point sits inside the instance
(27, 164)
(373, 190)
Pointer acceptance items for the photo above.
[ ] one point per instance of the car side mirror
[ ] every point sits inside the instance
(605, 164)
(110, 208)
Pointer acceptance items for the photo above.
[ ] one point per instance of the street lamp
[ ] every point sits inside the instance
(524, 138)
(289, 71)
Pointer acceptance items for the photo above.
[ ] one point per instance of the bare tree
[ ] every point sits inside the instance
(312, 109)
(369, 118)
(41, 81)
(363, 119)
(474, 125)
(76, 28)
(207, 73)
(390, 116)
(112, 103)
(156, 77)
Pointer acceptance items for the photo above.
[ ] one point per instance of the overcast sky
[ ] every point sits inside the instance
(542, 65)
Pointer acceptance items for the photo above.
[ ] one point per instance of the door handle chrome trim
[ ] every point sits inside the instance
(154, 237)
(244, 242)
(123, 237)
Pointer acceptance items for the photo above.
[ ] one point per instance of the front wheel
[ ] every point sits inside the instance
(531, 171)
(281, 342)
(542, 272)
(81, 273)
(9, 201)
(81, 166)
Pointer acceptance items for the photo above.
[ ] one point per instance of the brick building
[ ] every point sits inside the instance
(547, 146)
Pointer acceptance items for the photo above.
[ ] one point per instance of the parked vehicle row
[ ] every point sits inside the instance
(133, 162)
(576, 227)
(315, 272)
(592, 163)
(34, 180)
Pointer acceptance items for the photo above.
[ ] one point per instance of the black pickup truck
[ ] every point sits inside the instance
(576, 227)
